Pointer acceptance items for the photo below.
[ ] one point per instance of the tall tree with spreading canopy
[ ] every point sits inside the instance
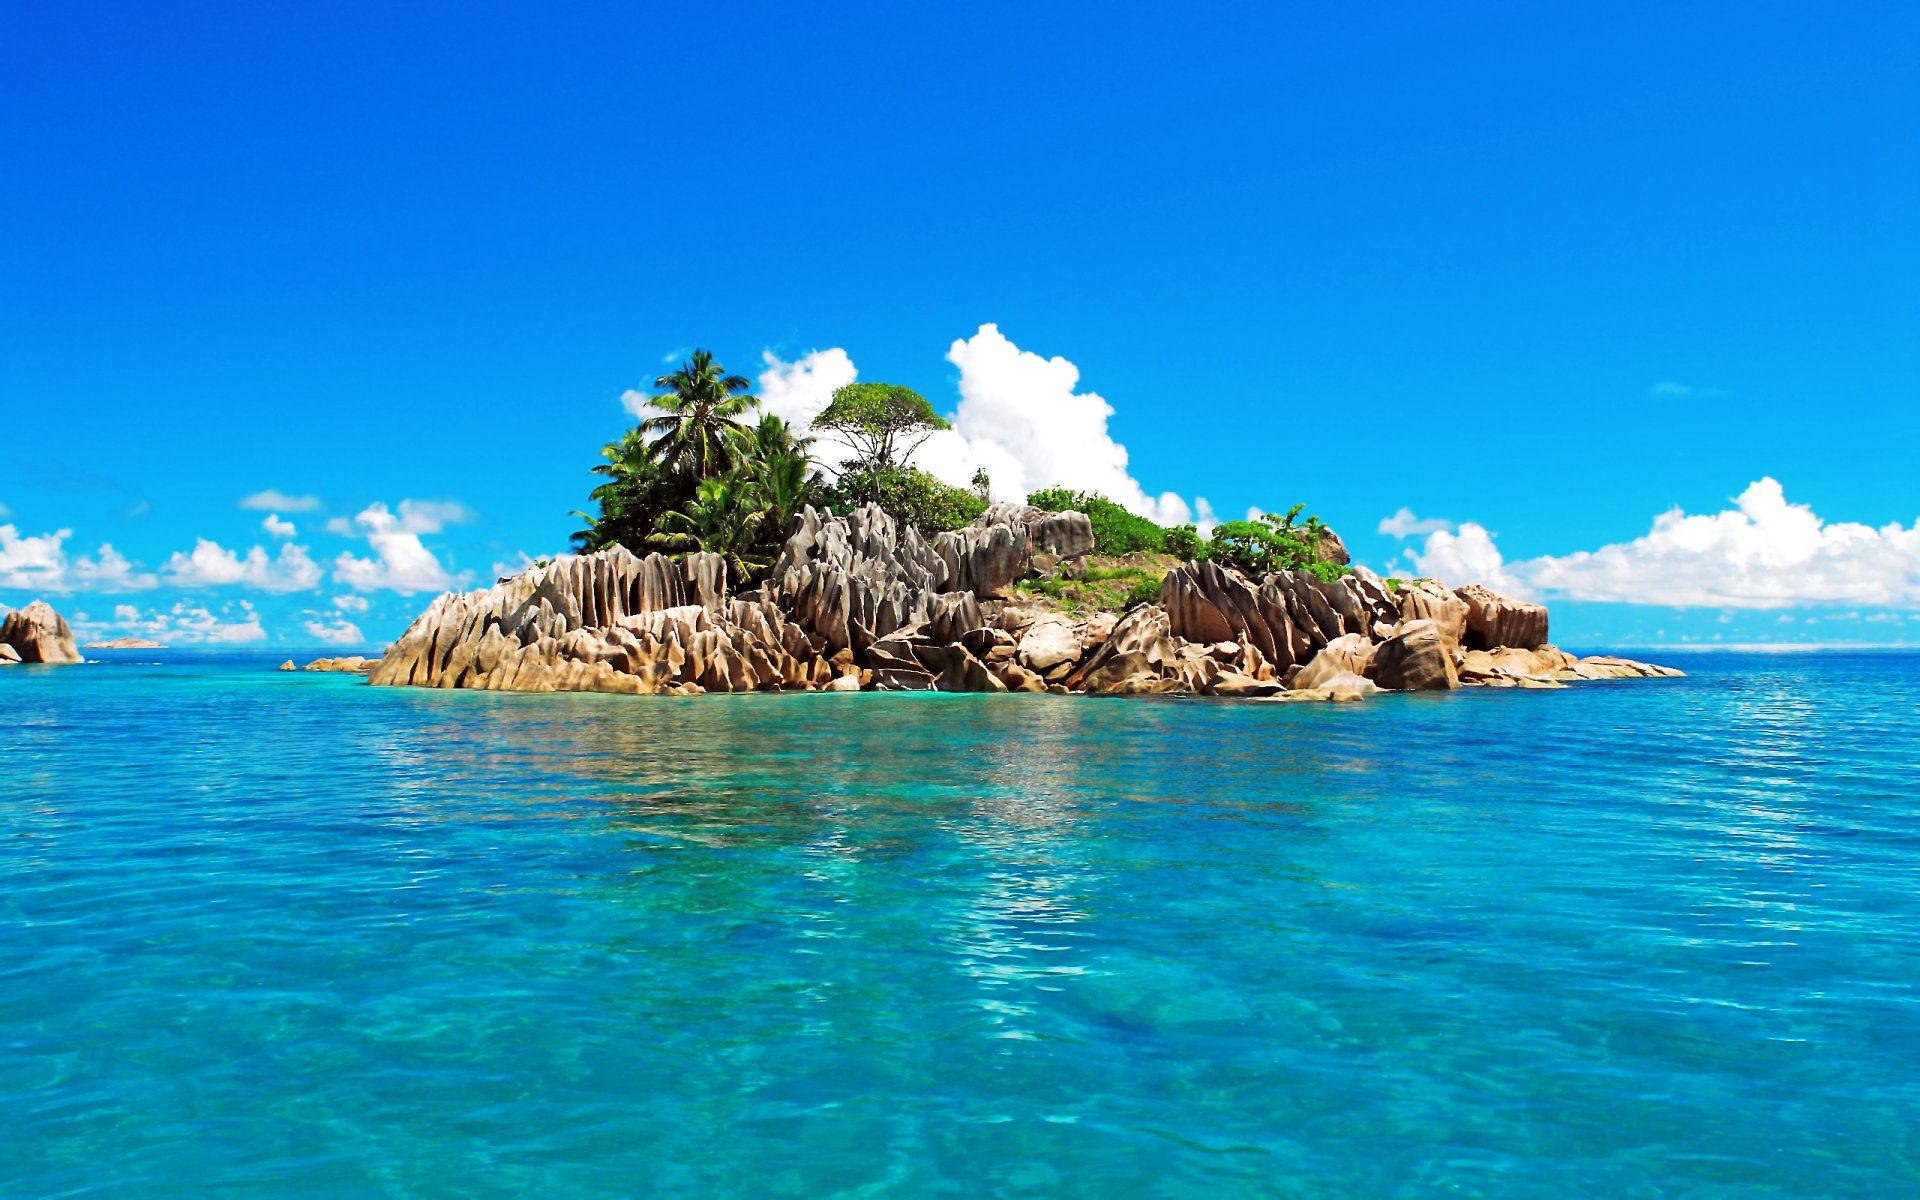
(884, 423)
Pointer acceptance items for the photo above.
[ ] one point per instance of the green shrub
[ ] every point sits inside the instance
(1146, 591)
(1273, 543)
(1183, 542)
(1115, 530)
(910, 496)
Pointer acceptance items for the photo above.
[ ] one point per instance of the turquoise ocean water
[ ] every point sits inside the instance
(282, 935)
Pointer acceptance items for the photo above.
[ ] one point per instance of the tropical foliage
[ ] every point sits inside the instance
(703, 470)
(911, 495)
(884, 423)
(1272, 543)
(1115, 530)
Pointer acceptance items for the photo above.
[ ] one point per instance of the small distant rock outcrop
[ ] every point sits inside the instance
(862, 603)
(37, 634)
(350, 664)
(125, 643)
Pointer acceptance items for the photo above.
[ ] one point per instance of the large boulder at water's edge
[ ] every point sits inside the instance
(40, 635)
(1419, 658)
(8, 655)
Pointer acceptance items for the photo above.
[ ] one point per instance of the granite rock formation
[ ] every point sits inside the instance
(860, 602)
(37, 634)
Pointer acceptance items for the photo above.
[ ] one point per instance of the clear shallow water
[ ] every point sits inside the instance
(266, 934)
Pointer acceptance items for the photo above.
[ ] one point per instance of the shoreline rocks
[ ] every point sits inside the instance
(860, 602)
(37, 634)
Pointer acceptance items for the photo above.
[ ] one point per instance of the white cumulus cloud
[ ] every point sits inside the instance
(1467, 555)
(34, 564)
(189, 624)
(1404, 524)
(350, 603)
(800, 390)
(1020, 418)
(400, 562)
(109, 571)
(1764, 552)
(279, 501)
(212, 565)
(334, 631)
(277, 527)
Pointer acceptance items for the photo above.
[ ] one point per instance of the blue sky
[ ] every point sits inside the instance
(1544, 275)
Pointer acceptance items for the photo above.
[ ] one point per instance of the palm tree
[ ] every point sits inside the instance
(699, 429)
(636, 490)
(724, 517)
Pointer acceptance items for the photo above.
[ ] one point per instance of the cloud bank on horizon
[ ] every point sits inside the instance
(1763, 553)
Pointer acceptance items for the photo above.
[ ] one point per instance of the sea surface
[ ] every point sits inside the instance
(285, 935)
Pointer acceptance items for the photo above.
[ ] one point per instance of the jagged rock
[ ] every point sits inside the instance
(956, 670)
(350, 664)
(1428, 601)
(288, 666)
(1134, 659)
(1058, 535)
(39, 635)
(1418, 658)
(859, 601)
(1206, 602)
(1347, 654)
(1494, 620)
(1330, 549)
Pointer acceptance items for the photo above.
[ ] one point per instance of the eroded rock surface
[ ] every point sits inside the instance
(858, 602)
(37, 634)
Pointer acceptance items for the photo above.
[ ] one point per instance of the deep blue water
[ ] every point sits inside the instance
(268, 934)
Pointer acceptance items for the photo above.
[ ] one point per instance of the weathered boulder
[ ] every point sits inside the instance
(1330, 549)
(1047, 643)
(288, 666)
(1494, 620)
(1347, 654)
(1347, 686)
(39, 635)
(1060, 535)
(1134, 658)
(1233, 683)
(1419, 658)
(8, 655)
(1504, 666)
(1428, 601)
(1607, 666)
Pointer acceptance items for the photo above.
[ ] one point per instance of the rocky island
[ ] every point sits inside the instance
(863, 602)
(126, 643)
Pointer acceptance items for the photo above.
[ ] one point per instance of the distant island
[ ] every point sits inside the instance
(722, 559)
(125, 643)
